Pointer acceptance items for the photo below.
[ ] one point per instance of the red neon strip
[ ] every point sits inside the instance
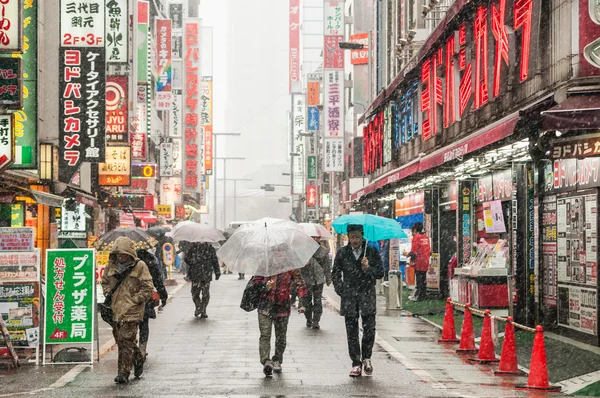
(523, 18)
(501, 37)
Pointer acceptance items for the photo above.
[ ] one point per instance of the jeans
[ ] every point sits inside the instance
(368, 340)
(265, 324)
(421, 289)
(125, 334)
(313, 305)
(201, 295)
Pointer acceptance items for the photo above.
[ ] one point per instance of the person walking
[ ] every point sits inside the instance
(159, 285)
(129, 283)
(316, 273)
(356, 268)
(420, 253)
(202, 261)
(274, 308)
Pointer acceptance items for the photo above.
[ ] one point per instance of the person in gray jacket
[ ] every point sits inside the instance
(315, 274)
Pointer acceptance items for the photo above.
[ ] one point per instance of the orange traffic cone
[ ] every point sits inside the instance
(538, 371)
(449, 331)
(487, 355)
(467, 337)
(508, 358)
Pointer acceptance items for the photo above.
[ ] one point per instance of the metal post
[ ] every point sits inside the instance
(215, 181)
(224, 193)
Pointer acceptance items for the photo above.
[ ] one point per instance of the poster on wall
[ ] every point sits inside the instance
(494, 217)
(577, 238)
(578, 308)
(549, 251)
(19, 308)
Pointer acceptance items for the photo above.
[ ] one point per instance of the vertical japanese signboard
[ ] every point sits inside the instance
(294, 43)
(82, 117)
(26, 118)
(333, 154)
(206, 120)
(11, 74)
(117, 31)
(7, 142)
(82, 86)
(360, 57)
(333, 55)
(166, 159)
(142, 42)
(333, 121)
(69, 309)
(298, 132)
(116, 171)
(11, 28)
(117, 121)
(312, 101)
(138, 138)
(193, 156)
(164, 79)
(311, 195)
(333, 18)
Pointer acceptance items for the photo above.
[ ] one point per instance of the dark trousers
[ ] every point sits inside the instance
(368, 340)
(201, 295)
(313, 304)
(144, 330)
(125, 334)
(421, 289)
(266, 324)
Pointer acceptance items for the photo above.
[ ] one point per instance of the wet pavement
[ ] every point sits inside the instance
(218, 356)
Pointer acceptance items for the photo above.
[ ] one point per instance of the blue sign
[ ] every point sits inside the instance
(313, 119)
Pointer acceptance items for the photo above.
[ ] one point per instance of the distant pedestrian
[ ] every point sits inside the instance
(241, 276)
(316, 273)
(356, 268)
(274, 308)
(129, 282)
(420, 253)
(202, 261)
(159, 287)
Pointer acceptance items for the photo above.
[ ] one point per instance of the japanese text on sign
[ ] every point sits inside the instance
(117, 29)
(82, 23)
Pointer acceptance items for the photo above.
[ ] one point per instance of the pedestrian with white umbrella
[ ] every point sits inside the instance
(274, 255)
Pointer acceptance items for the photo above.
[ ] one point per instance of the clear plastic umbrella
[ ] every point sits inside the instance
(313, 229)
(194, 232)
(267, 250)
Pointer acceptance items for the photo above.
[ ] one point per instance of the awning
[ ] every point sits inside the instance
(48, 199)
(479, 139)
(579, 112)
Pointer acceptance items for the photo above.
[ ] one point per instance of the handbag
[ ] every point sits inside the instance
(106, 312)
(251, 296)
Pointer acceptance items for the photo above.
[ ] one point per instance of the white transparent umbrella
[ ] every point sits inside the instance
(313, 229)
(267, 250)
(194, 232)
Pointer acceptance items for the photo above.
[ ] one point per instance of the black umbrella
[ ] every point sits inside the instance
(159, 231)
(141, 239)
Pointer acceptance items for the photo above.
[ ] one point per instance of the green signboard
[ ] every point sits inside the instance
(312, 167)
(142, 65)
(26, 118)
(69, 310)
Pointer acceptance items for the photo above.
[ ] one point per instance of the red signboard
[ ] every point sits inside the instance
(116, 109)
(311, 196)
(333, 55)
(360, 57)
(192, 154)
(163, 32)
(294, 42)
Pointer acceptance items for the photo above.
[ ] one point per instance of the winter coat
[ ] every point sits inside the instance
(202, 261)
(129, 300)
(318, 269)
(157, 281)
(355, 286)
(420, 252)
(276, 302)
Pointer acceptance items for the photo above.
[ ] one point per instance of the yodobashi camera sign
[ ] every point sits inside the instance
(82, 23)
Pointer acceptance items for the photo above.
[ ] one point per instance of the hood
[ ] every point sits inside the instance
(124, 245)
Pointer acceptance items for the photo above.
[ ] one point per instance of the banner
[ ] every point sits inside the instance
(298, 132)
(333, 154)
(333, 18)
(333, 111)
(166, 159)
(142, 35)
(20, 266)
(164, 73)
(206, 119)
(117, 121)
(333, 55)
(312, 167)
(139, 137)
(193, 155)
(69, 310)
(82, 109)
(116, 172)
(294, 43)
(170, 191)
(11, 90)
(360, 57)
(311, 195)
(16, 239)
(117, 32)
(81, 23)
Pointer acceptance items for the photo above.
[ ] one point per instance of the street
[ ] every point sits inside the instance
(218, 356)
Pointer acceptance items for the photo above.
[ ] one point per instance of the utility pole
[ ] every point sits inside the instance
(215, 136)
(235, 180)
(224, 179)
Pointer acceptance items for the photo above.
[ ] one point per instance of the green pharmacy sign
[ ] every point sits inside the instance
(69, 309)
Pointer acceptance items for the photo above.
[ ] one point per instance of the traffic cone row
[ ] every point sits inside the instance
(538, 372)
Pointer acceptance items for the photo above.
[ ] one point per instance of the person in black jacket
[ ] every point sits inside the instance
(159, 286)
(356, 268)
(202, 261)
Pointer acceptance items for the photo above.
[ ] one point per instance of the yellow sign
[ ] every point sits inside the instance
(164, 210)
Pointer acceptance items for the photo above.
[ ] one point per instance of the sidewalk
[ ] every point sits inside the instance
(218, 356)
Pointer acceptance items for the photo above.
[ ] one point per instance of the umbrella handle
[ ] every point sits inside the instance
(366, 244)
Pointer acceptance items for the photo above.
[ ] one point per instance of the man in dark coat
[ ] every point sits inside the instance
(316, 273)
(356, 268)
(202, 261)
(159, 286)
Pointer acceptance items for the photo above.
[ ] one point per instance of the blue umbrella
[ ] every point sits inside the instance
(375, 227)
